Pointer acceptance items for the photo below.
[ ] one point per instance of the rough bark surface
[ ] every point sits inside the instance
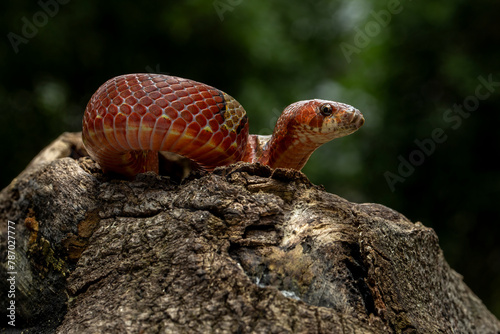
(240, 250)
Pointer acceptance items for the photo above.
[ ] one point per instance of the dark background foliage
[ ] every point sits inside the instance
(408, 66)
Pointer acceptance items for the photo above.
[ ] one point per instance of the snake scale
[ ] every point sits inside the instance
(132, 117)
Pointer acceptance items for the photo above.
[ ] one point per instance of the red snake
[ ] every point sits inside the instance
(132, 117)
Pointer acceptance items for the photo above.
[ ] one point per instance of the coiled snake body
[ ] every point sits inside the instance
(132, 117)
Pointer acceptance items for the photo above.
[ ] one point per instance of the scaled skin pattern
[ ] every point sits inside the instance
(132, 117)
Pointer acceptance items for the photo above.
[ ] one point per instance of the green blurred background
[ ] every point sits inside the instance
(408, 66)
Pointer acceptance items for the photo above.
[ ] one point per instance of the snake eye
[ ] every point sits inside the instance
(326, 109)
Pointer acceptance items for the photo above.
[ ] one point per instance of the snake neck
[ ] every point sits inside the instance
(287, 152)
(278, 151)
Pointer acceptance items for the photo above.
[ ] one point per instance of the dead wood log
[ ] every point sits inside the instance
(240, 250)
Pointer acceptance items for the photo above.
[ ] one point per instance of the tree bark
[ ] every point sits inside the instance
(241, 250)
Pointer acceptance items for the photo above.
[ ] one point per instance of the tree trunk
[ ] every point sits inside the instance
(241, 250)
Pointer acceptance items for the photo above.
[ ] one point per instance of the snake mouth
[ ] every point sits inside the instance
(357, 119)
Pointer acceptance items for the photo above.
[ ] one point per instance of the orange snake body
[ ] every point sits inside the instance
(132, 117)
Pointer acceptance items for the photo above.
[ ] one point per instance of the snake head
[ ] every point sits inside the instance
(306, 125)
(319, 121)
